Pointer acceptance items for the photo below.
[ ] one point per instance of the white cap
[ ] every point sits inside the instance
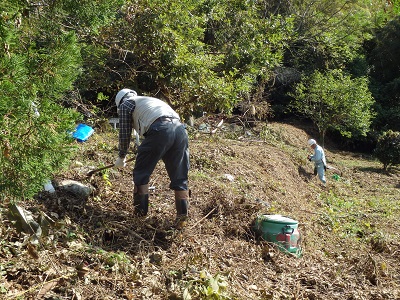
(311, 142)
(121, 94)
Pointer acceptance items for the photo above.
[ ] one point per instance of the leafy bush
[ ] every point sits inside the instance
(196, 55)
(388, 148)
(39, 62)
(334, 100)
(32, 147)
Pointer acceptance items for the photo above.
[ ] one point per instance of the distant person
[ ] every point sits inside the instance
(319, 160)
(165, 138)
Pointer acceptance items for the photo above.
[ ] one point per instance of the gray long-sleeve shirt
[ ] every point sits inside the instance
(318, 156)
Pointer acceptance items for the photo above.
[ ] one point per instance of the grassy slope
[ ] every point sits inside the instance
(350, 229)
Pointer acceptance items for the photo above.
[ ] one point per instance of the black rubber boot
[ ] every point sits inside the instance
(181, 207)
(181, 213)
(141, 204)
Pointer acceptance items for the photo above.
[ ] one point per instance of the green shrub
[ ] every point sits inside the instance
(41, 58)
(32, 147)
(388, 148)
(38, 68)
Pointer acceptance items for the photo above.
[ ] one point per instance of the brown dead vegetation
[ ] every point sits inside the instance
(98, 249)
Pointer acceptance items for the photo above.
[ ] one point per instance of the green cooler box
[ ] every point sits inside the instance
(280, 230)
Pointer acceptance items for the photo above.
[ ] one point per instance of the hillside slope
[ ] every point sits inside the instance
(98, 249)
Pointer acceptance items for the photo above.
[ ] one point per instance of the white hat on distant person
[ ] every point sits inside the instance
(311, 142)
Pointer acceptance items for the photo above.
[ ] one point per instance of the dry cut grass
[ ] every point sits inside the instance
(98, 249)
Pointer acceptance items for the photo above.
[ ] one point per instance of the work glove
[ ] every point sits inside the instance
(309, 157)
(120, 162)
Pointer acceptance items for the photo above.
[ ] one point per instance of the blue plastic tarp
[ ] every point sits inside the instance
(82, 132)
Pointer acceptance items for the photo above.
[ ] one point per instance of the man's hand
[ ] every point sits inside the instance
(309, 157)
(120, 162)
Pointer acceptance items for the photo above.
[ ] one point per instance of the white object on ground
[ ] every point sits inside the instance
(48, 187)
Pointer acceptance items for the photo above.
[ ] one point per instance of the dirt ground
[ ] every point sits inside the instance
(98, 249)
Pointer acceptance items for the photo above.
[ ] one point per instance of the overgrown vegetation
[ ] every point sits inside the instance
(200, 56)
(40, 62)
(96, 247)
(333, 62)
(388, 149)
(335, 101)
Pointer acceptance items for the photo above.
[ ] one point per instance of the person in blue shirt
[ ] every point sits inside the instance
(319, 160)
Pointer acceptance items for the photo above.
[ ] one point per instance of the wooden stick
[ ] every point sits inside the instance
(106, 167)
(203, 218)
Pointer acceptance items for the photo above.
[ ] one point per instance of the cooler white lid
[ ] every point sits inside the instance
(279, 219)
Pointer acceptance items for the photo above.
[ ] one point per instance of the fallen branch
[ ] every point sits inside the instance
(131, 232)
(201, 220)
(44, 287)
(106, 167)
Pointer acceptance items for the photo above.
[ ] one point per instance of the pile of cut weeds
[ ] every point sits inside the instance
(96, 248)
